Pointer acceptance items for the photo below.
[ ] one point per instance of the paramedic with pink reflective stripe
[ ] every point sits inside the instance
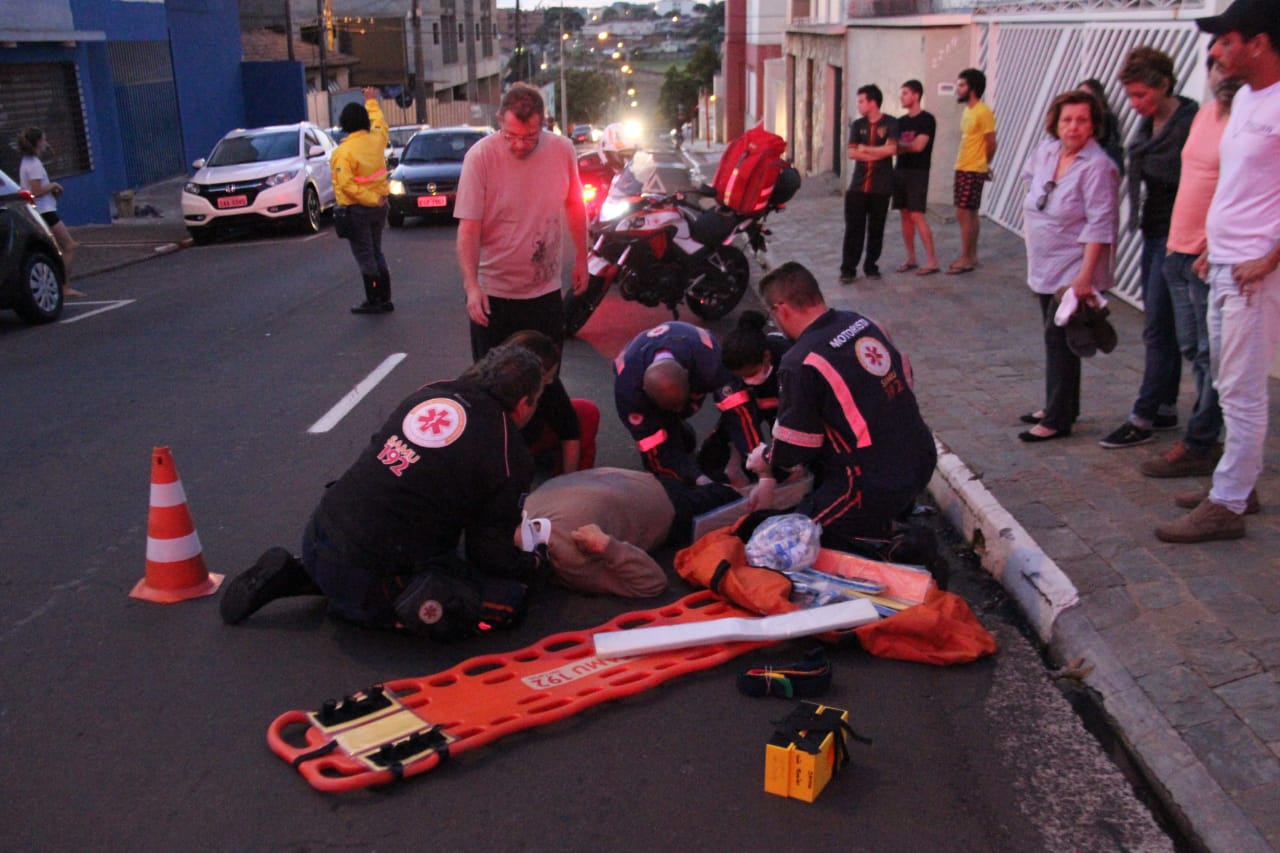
(847, 410)
(662, 377)
(360, 185)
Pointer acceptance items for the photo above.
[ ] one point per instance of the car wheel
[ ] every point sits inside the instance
(40, 296)
(394, 219)
(309, 220)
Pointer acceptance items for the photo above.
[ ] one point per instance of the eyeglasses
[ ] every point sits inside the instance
(1043, 201)
(528, 138)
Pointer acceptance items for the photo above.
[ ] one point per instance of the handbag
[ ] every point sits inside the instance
(342, 222)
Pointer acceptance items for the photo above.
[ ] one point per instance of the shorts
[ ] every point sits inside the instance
(968, 189)
(911, 190)
(51, 218)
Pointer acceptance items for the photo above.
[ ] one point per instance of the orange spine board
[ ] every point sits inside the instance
(491, 696)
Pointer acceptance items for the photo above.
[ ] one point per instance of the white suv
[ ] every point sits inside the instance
(262, 175)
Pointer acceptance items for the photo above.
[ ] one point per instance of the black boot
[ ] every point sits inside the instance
(384, 294)
(276, 574)
(373, 298)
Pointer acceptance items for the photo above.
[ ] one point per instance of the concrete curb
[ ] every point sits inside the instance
(1047, 597)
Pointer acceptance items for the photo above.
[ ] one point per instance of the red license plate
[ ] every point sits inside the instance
(232, 201)
(433, 201)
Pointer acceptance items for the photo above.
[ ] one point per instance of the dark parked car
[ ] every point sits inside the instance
(426, 181)
(31, 271)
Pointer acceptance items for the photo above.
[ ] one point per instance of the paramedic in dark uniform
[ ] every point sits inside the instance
(752, 355)
(847, 410)
(448, 461)
(662, 377)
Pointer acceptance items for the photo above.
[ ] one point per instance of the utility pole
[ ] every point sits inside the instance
(288, 27)
(323, 30)
(564, 91)
(469, 23)
(517, 59)
(419, 66)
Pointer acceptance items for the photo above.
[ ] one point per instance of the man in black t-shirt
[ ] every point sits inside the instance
(916, 131)
(873, 140)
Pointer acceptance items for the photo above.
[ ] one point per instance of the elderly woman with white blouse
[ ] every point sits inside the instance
(1070, 220)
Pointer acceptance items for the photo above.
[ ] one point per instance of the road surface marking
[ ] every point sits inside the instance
(356, 394)
(107, 305)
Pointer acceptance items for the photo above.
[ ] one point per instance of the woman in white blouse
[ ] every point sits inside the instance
(1069, 218)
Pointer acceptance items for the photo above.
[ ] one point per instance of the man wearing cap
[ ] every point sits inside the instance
(1243, 267)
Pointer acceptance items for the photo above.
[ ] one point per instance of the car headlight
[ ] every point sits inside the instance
(281, 178)
(191, 187)
(614, 208)
(397, 187)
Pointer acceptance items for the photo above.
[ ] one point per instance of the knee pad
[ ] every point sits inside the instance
(447, 608)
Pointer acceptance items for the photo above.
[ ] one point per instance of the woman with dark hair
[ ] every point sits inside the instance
(33, 178)
(360, 184)
(752, 356)
(1069, 219)
(561, 435)
(1109, 138)
(1155, 167)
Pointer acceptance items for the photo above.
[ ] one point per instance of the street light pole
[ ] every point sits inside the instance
(564, 92)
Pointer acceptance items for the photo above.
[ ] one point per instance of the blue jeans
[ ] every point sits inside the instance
(366, 240)
(1162, 369)
(1190, 298)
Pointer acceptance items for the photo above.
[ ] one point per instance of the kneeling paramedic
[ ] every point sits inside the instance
(847, 410)
(382, 546)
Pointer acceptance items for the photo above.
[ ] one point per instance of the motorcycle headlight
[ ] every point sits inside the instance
(614, 208)
(281, 178)
(191, 187)
(396, 187)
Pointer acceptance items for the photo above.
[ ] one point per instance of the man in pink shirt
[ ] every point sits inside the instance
(1198, 451)
(1242, 265)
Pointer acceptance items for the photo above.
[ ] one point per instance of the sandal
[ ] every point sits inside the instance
(927, 270)
(907, 267)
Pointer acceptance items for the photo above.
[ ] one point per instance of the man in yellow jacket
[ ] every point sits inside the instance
(359, 169)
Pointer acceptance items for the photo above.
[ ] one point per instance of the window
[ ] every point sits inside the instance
(435, 32)
(47, 95)
(462, 33)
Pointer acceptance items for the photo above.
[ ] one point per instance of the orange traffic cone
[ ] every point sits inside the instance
(175, 564)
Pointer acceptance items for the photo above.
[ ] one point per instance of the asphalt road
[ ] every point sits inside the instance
(126, 725)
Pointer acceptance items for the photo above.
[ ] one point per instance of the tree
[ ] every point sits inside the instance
(704, 65)
(678, 95)
(551, 28)
(709, 29)
(591, 93)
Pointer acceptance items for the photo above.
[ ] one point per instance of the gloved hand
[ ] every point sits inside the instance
(761, 496)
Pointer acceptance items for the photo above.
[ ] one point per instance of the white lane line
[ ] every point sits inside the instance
(108, 305)
(356, 394)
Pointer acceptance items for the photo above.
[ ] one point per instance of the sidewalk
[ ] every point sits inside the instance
(127, 241)
(1180, 643)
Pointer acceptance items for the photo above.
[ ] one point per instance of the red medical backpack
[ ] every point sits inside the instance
(749, 169)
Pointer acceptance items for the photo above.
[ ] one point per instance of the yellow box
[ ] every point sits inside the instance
(800, 757)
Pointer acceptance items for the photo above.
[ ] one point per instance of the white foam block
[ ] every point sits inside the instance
(785, 496)
(800, 623)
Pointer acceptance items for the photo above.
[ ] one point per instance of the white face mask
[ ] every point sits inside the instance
(760, 376)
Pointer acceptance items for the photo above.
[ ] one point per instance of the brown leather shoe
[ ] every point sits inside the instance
(1181, 461)
(1208, 522)
(1193, 499)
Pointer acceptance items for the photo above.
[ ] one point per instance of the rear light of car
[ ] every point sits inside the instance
(26, 196)
(589, 193)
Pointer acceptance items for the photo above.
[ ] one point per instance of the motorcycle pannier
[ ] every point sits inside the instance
(749, 169)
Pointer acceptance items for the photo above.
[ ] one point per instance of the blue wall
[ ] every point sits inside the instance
(274, 93)
(205, 39)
